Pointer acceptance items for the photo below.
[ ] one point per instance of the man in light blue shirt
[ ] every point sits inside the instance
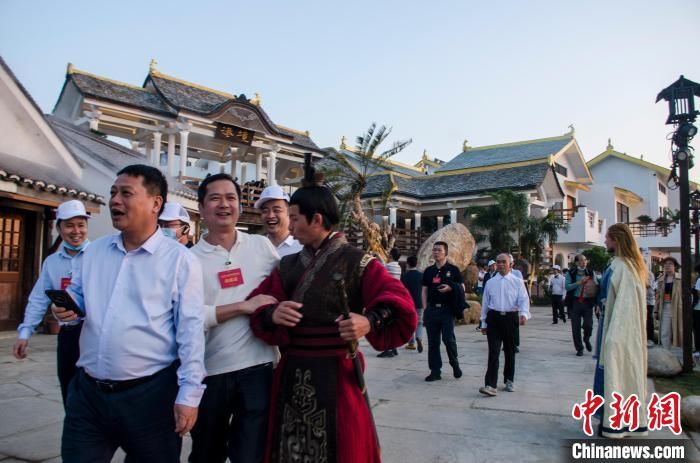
(142, 345)
(56, 272)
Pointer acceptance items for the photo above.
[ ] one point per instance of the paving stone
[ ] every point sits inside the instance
(36, 444)
(16, 390)
(441, 422)
(23, 414)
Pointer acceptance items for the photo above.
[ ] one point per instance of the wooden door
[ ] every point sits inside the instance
(12, 262)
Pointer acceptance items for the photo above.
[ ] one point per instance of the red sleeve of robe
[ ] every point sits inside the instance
(261, 319)
(379, 287)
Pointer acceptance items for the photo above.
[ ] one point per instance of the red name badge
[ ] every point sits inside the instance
(231, 278)
(65, 282)
(436, 280)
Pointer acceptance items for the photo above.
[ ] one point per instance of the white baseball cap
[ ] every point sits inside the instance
(556, 267)
(491, 262)
(271, 192)
(174, 211)
(70, 209)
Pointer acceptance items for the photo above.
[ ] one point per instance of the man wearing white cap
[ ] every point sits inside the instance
(274, 205)
(175, 222)
(557, 285)
(72, 225)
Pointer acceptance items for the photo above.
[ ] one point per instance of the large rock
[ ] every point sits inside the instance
(471, 277)
(473, 313)
(662, 363)
(461, 246)
(690, 413)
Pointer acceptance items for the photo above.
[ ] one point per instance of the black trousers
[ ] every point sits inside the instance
(696, 329)
(439, 322)
(650, 323)
(581, 311)
(140, 420)
(500, 331)
(557, 308)
(233, 417)
(67, 354)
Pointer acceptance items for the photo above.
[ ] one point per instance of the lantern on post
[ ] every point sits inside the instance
(682, 113)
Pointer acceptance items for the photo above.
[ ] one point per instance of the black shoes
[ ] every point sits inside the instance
(589, 348)
(432, 377)
(419, 343)
(457, 372)
(579, 353)
(388, 353)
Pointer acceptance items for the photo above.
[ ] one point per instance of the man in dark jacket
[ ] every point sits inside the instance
(439, 299)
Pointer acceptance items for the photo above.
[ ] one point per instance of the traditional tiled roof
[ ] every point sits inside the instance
(508, 153)
(433, 186)
(112, 155)
(43, 178)
(168, 95)
(353, 159)
(99, 87)
(188, 97)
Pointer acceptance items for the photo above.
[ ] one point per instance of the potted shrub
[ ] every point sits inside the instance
(51, 325)
(644, 219)
(663, 224)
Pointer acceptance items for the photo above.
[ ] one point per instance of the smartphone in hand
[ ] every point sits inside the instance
(61, 298)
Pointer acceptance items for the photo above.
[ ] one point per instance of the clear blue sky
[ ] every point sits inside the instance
(438, 72)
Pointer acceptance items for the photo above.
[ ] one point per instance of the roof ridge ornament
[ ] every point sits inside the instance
(572, 130)
(69, 68)
(425, 155)
(152, 66)
(256, 100)
(610, 146)
(343, 143)
(465, 145)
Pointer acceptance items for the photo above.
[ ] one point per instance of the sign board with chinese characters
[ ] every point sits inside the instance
(234, 134)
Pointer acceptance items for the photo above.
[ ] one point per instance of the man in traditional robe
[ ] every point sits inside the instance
(622, 349)
(318, 411)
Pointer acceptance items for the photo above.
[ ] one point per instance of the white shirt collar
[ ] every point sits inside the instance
(206, 246)
(150, 245)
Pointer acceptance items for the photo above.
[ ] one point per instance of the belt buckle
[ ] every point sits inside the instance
(503, 313)
(104, 386)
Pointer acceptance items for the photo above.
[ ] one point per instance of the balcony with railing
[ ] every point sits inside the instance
(408, 241)
(584, 225)
(657, 235)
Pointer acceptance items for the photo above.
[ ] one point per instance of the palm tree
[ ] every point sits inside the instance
(349, 178)
(537, 234)
(500, 220)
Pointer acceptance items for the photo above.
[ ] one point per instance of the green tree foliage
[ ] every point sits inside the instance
(598, 258)
(500, 220)
(349, 179)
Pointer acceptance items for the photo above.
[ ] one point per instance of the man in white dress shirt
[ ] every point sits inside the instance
(141, 360)
(557, 286)
(234, 410)
(505, 306)
(274, 207)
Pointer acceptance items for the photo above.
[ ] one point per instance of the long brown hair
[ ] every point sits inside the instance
(626, 249)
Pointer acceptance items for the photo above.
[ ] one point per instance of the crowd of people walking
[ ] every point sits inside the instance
(250, 342)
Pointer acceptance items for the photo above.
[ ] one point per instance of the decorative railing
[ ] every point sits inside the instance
(643, 229)
(565, 215)
(407, 241)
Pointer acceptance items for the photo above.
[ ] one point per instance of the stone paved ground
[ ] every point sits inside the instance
(444, 421)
